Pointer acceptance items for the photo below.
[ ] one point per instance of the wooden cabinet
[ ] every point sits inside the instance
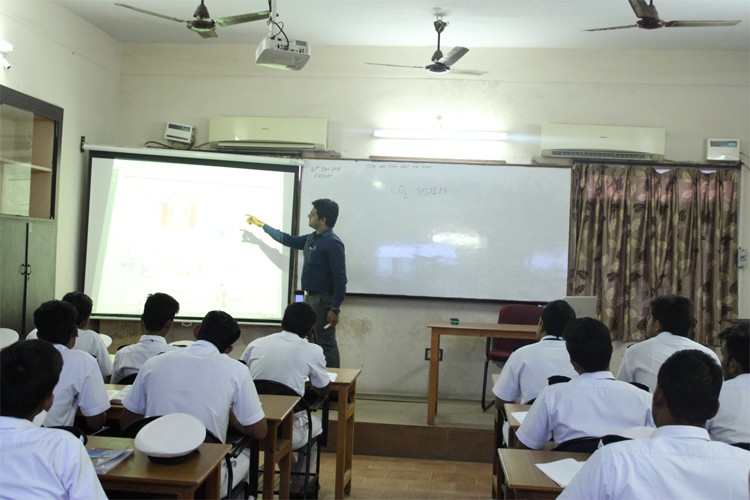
(30, 134)
(27, 266)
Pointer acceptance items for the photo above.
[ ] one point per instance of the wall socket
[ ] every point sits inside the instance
(427, 354)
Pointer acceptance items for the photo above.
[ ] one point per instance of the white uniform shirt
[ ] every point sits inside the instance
(642, 361)
(130, 359)
(732, 423)
(200, 381)
(676, 462)
(80, 385)
(44, 463)
(592, 405)
(526, 372)
(287, 358)
(89, 341)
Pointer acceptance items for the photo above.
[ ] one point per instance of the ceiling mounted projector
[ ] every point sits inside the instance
(280, 53)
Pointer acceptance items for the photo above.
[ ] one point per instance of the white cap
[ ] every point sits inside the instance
(173, 437)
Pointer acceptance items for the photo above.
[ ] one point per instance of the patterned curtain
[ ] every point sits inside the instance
(637, 233)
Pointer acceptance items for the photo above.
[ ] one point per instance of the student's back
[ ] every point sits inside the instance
(44, 463)
(88, 341)
(197, 380)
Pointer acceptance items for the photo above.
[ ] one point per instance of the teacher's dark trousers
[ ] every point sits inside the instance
(325, 338)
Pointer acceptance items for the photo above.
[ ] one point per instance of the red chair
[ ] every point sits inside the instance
(499, 350)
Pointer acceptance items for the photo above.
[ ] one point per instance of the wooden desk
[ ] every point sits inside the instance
(494, 330)
(277, 445)
(345, 387)
(522, 479)
(514, 424)
(137, 474)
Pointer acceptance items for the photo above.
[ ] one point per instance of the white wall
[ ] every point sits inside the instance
(64, 61)
(692, 95)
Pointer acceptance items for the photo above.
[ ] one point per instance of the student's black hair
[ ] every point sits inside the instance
(675, 313)
(157, 310)
(556, 315)
(589, 344)
(299, 317)
(220, 329)
(83, 304)
(691, 381)
(55, 321)
(29, 371)
(737, 343)
(327, 209)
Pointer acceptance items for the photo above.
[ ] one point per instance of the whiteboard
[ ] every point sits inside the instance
(496, 232)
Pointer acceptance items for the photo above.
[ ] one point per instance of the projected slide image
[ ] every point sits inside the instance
(180, 229)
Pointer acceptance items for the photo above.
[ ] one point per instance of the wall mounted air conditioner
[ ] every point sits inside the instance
(599, 142)
(265, 132)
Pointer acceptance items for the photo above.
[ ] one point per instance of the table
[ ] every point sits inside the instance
(494, 330)
(138, 474)
(522, 479)
(513, 426)
(345, 387)
(277, 445)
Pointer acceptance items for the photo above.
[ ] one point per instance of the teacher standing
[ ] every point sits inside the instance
(323, 271)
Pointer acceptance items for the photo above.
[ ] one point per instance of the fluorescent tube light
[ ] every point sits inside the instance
(5, 47)
(445, 135)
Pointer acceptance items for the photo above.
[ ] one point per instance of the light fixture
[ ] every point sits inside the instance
(5, 47)
(443, 135)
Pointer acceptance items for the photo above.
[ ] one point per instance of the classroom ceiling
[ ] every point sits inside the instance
(409, 23)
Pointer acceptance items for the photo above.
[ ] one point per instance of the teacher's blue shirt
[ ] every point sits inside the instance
(324, 269)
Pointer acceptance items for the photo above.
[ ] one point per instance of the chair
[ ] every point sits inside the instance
(499, 350)
(320, 403)
(744, 446)
(128, 380)
(73, 430)
(584, 444)
(239, 444)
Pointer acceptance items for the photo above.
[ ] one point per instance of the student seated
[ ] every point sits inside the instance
(526, 372)
(679, 460)
(87, 340)
(81, 384)
(37, 462)
(732, 423)
(288, 357)
(203, 381)
(591, 405)
(157, 319)
(667, 331)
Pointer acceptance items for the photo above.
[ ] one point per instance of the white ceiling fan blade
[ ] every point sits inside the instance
(242, 18)
(454, 55)
(698, 24)
(143, 11)
(642, 9)
(394, 65)
(613, 28)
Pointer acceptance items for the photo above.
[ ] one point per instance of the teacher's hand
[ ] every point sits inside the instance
(251, 219)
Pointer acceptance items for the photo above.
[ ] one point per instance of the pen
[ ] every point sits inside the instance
(328, 325)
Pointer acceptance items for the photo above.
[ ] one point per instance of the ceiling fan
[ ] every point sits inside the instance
(648, 18)
(441, 63)
(202, 22)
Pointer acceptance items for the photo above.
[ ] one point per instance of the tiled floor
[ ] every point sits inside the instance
(404, 478)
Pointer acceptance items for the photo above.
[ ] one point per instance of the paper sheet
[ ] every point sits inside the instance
(561, 471)
(116, 396)
(519, 415)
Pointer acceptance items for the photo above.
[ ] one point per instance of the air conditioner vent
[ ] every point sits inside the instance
(597, 155)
